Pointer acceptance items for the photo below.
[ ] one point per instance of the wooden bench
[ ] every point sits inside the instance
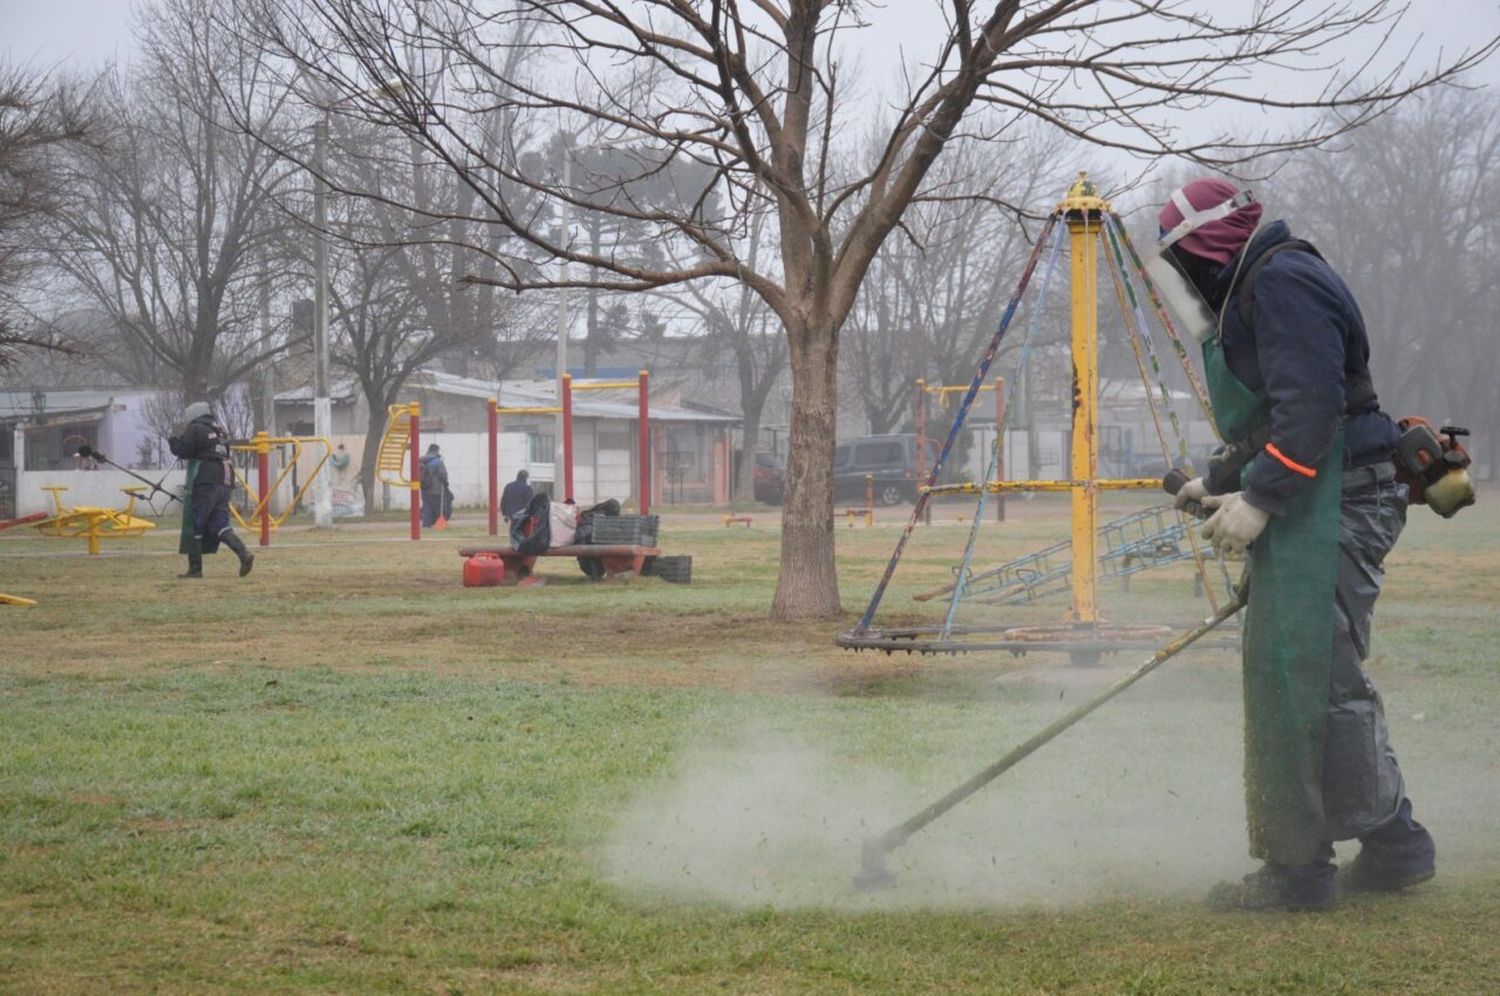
(852, 514)
(518, 566)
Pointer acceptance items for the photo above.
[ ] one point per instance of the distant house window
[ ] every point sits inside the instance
(543, 447)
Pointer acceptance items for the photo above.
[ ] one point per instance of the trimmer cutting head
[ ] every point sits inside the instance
(873, 874)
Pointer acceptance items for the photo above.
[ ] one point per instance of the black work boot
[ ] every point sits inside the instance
(232, 540)
(195, 559)
(1278, 888)
(1399, 855)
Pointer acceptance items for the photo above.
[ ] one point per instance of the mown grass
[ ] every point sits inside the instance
(349, 773)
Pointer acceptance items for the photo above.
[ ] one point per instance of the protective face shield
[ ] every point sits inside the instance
(196, 410)
(1191, 313)
(1177, 291)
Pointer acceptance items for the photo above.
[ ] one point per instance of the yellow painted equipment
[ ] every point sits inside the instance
(1073, 565)
(391, 465)
(1083, 212)
(91, 522)
(260, 444)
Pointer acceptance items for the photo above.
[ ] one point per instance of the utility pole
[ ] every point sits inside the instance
(322, 404)
(565, 223)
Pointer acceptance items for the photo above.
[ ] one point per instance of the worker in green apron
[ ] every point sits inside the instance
(1306, 489)
(204, 445)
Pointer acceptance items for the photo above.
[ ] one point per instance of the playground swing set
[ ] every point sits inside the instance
(1139, 541)
(398, 461)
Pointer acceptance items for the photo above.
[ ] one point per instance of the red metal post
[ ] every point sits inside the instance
(263, 484)
(416, 471)
(567, 413)
(1000, 446)
(643, 442)
(494, 466)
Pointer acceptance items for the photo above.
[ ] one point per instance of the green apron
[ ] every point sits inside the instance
(210, 544)
(1288, 641)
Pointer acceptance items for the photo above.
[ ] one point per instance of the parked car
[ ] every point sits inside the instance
(1155, 465)
(890, 460)
(770, 478)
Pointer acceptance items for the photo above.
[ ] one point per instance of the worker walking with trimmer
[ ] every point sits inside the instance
(204, 444)
(1308, 486)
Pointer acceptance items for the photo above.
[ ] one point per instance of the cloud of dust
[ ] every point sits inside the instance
(1141, 799)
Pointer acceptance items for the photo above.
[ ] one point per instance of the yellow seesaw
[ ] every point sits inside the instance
(92, 522)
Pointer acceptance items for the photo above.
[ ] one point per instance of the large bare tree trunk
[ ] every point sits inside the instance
(744, 478)
(807, 586)
(374, 432)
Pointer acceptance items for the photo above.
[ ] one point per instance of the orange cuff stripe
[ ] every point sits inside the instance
(1289, 463)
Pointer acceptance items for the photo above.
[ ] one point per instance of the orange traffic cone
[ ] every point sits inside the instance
(441, 523)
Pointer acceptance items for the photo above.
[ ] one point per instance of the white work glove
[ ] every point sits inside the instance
(1235, 524)
(1193, 491)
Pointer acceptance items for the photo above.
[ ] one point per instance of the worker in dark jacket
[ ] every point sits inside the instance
(516, 496)
(204, 444)
(437, 500)
(1308, 480)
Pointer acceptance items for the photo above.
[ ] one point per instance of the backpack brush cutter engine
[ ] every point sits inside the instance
(1434, 466)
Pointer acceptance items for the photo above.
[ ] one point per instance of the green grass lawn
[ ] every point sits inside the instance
(349, 773)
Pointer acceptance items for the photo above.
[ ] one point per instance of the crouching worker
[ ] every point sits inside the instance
(1308, 488)
(205, 508)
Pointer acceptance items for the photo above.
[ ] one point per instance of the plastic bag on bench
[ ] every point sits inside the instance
(531, 528)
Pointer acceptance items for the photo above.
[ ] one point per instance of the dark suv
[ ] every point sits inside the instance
(890, 460)
(770, 478)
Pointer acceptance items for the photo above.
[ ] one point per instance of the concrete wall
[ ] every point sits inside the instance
(87, 487)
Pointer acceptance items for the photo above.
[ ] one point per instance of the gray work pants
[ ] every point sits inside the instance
(1362, 786)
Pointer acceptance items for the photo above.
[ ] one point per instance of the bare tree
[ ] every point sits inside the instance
(933, 293)
(398, 303)
(376, 334)
(168, 213)
(38, 119)
(737, 321)
(759, 94)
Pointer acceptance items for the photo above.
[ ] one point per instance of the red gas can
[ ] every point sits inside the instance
(483, 570)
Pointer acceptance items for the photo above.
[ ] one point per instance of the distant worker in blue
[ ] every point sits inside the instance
(516, 496)
(437, 500)
(1307, 486)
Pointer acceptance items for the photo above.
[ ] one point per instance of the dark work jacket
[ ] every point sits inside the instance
(1306, 334)
(514, 498)
(434, 475)
(206, 441)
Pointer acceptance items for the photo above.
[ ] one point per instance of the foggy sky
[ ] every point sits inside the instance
(81, 35)
(78, 34)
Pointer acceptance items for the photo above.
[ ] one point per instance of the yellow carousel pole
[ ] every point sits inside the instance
(1084, 211)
